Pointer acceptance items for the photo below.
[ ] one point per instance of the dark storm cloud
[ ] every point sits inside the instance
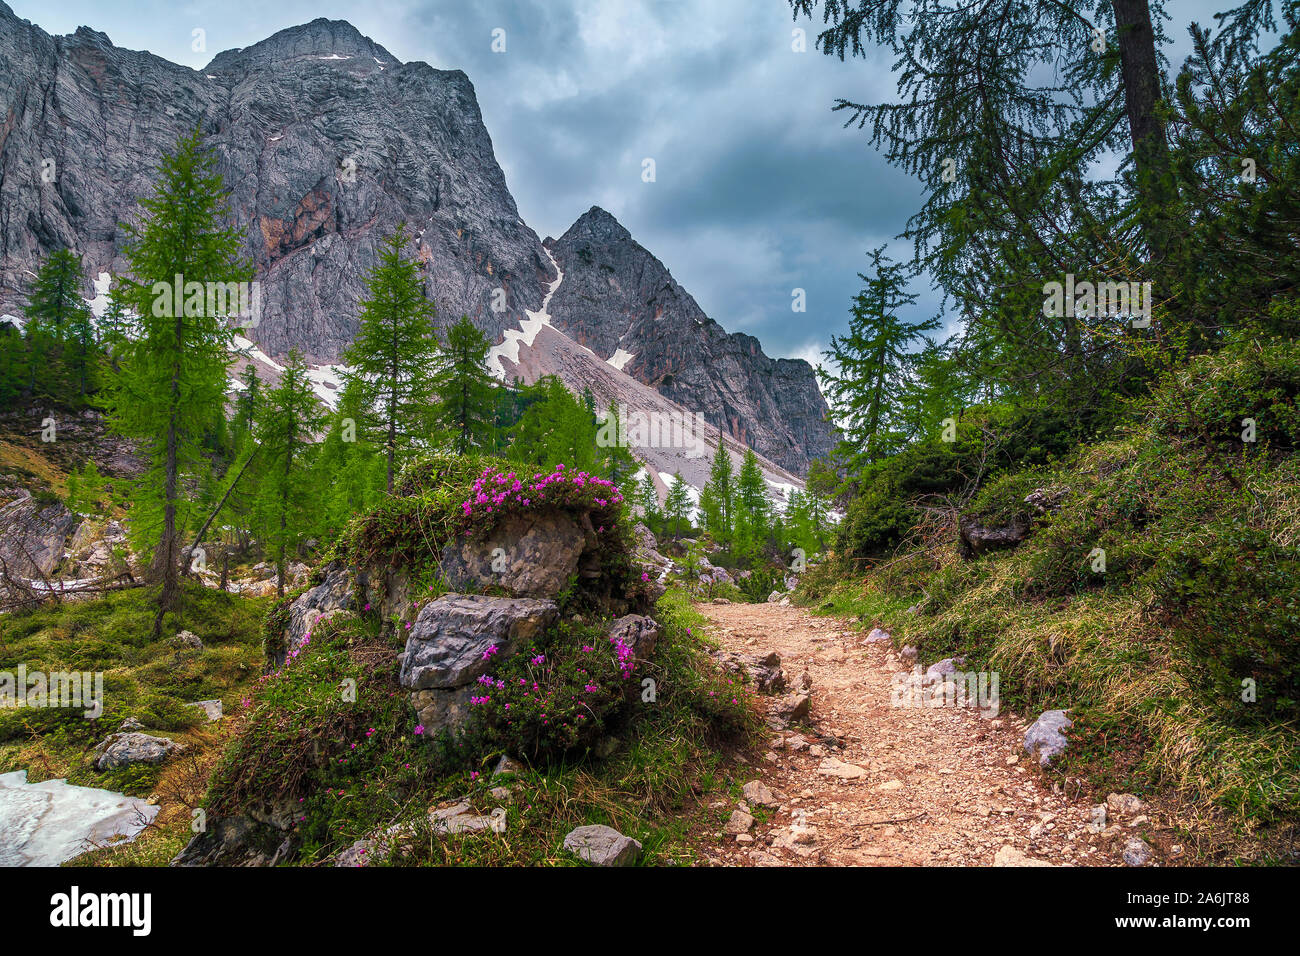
(758, 191)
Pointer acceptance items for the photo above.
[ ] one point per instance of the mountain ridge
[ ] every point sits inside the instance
(326, 142)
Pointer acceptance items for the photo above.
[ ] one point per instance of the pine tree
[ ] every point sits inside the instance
(752, 508)
(677, 507)
(720, 494)
(647, 502)
(873, 362)
(172, 383)
(395, 355)
(615, 461)
(349, 471)
(292, 415)
(465, 388)
(59, 331)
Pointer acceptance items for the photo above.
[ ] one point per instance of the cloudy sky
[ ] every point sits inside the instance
(759, 190)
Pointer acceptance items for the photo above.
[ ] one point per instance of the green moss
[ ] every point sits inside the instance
(142, 678)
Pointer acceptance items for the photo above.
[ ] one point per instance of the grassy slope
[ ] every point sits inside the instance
(653, 787)
(147, 680)
(276, 727)
(1200, 592)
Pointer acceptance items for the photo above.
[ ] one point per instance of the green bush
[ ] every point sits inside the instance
(989, 441)
(1210, 396)
(1001, 501)
(760, 583)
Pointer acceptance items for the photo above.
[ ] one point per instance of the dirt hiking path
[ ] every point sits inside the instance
(861, 782)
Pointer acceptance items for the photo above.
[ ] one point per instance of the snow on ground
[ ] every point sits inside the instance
(327, 382)
(246, 347)
(99, 304)
(620, 358)
(782, 490)
(692, 493)
(528, 328)
(70, 584)
(47, 823)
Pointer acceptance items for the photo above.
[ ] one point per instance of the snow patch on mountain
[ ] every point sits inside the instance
(692, 493)
(528, 329)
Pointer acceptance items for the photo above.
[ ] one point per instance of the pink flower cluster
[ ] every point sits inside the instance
(626, 655)
(496, 491)
(297, 649)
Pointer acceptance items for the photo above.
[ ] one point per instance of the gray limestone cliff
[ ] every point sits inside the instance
(326, 141)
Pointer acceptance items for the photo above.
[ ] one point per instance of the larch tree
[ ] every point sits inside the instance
(59, 330)
(465, 388)
(717, 498)
(171, 387)
(677, 506)
(395, 355)
(286, 434)
(872, 363)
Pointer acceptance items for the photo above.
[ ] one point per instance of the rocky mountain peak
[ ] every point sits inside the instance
(618, 300)
(597, 225)
(321, 39)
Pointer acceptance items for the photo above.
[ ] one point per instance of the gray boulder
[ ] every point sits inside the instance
(187, 639)
(636, 631)
(712, 574)
(1137, 852)
(447, 644)
(789, 710)
(645, 538)
(977, 538)
(600, 845)
(123, 749)
(333, 594)
(32, 537)
(943, 668)
(260, 835)
(211, 708)
(529, 555)
(763, 671)
(1046, 500)
(757, 794)
(439, 709)
(1123, 804)
(1045, 739)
